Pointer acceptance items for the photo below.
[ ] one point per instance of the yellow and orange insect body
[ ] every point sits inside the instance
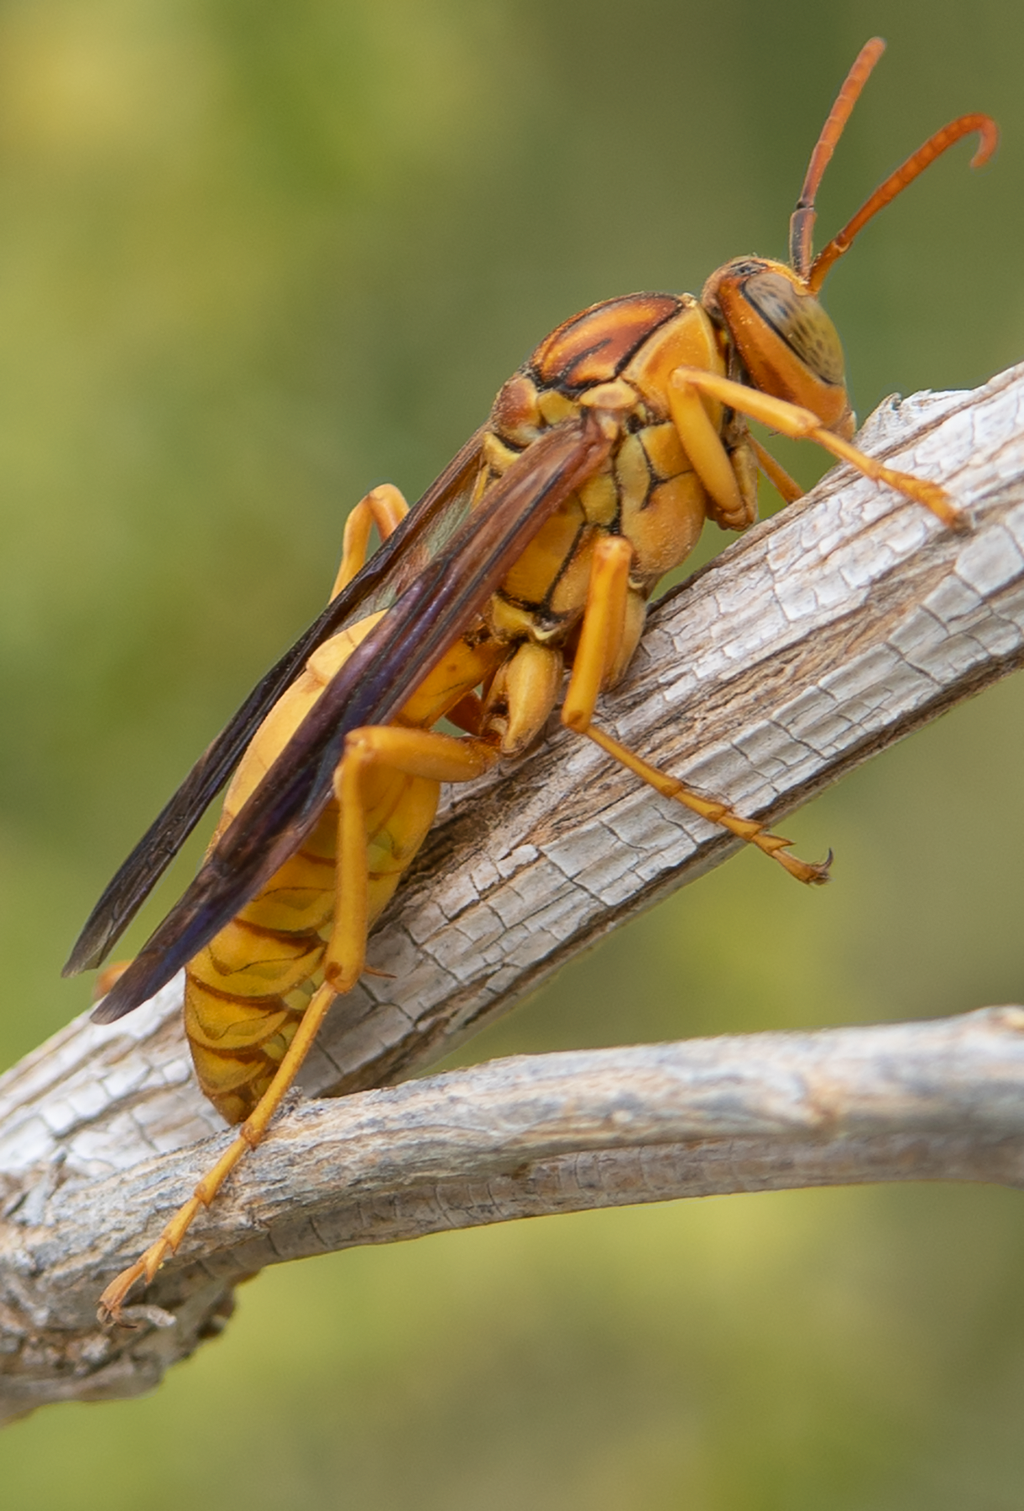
(246, 990)
(532, 555)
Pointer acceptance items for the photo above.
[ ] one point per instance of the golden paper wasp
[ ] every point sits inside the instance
(535, 552)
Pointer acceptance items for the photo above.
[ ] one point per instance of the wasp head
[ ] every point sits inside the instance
(785, 340)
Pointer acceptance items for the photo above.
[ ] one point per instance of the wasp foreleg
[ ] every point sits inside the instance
(803, 424)
(788, 488)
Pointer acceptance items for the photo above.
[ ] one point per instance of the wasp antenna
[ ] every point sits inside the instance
(801, 224)
(915, 165)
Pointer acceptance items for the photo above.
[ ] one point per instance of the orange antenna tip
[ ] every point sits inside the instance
(904, 175)
(989, 133)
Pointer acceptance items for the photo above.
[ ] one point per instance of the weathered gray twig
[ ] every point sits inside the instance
(821, 638)
(513, 1138)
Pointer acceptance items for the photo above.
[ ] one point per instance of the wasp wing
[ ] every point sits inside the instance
(370, 688)
(399, 562)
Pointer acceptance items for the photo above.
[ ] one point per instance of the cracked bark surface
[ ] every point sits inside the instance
(820, 638)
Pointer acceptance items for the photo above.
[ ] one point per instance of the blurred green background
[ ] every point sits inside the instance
(256, 257)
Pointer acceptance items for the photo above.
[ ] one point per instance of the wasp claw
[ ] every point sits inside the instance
(811, 873)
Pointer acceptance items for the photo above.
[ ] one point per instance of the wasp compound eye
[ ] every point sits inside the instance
(800, 321)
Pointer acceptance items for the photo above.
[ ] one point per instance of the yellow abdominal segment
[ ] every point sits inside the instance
(246, 991)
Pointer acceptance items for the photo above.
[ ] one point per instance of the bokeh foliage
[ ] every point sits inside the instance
(255, 258)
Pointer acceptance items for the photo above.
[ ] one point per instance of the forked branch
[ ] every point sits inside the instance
(820, 639)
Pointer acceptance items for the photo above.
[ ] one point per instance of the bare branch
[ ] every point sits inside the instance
(514, 1138)
(818, 640)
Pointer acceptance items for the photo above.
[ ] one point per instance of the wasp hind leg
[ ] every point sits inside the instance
(410, 753)
(111, 1307)
(599, 639)
(422, 754)
(385, 507)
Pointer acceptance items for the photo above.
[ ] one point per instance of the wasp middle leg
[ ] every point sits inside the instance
(596, 655)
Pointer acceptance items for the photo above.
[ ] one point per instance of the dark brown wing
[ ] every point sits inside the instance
(398, 563)
(369, 689)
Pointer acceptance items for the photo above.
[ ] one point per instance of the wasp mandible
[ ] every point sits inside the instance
(533, 554)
